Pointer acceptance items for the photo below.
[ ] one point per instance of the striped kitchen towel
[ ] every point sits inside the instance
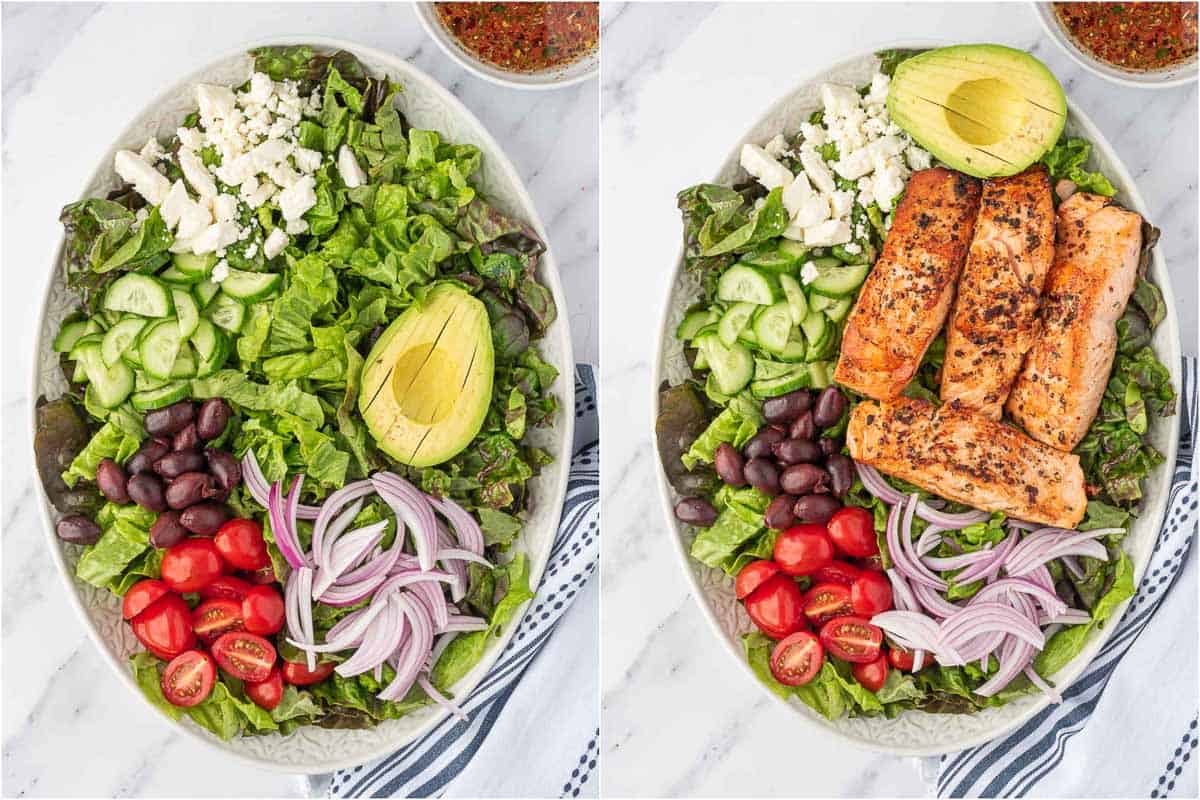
(549, 738)
(1140, 712)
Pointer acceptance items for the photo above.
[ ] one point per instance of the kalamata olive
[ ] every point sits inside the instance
(841, 474)
(213, 416)
(796, 451)
(760, 445)
(224, 467)
(147, 491)
(190, 488)
(830, 445)
(800, 479)
(167, 530)
(803, 427)
(175, 464)
(143, 460)
(729, 465)
(786, 407)
(829, 407)
(110, 480)
(77, 530)
(186, 439)
(203, 519)
(815, 508)
(695, 511)
(762, 474)
(779, 514)
(170, 420)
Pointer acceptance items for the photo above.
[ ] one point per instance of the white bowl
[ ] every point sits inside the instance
(555, 78)
(1176, 75)
(426, 104)
(912, 732)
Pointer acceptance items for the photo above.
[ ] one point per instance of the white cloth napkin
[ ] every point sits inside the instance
(1128, 726)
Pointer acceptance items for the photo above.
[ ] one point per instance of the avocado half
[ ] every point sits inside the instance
(983, 109)
(427, 384)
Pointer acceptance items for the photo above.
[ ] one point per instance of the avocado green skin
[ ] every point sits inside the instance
(1018, 151)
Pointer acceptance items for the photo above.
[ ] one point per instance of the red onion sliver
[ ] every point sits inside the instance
(469, 534)
(304, 591)
(441, 699)
(410, 505)
(257, 485)
(458, 554)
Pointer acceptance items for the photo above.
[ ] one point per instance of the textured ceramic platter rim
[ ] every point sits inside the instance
(555, 78)
(912, 732)
(427, 104)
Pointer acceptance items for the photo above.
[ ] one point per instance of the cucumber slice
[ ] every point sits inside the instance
(766, 369)
(72, 331)
(222, 347)
(825, 345)
(797, 251)
(204, 338)
(164, 395)
(814, 326)
(192, 264)
(747, 337)
(772, 326)
(205, 291)
(133, 356)
(186, 311)
(699, 362)
(797, 377)
(177, 277)
(119, 338)
(249, 287)
(772, 260)
(80, 374)
(144, 383)
(733, 366)
(818, 302)
(742, 284)
(734, 321)
(106, 318)
(795, 297)
(840, 309)
(840, 280)
(694, 322)
(825, 262)
(713, 392)
(138, 294)
(796, 347)
(819, 372)
(82, 343)
(111, 384)
(185, 363)
(225, 312)
(159, 348)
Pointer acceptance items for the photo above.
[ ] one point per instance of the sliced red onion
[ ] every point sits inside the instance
(291, 609)
(458, 554)
(1072, 565)
(911, 630)
(929, 540)
(950, 521)
(304, 578)
(1022, 524)
(322, 548)
(1072, 616)
(332, 505)
(347, 550)
(458, 588)
(285, 536)
(443, 642)
(989, 616)
(258, 487)
(1045, 597)
(1048, 544)
(981, 646)
(1037, 681)
(958, 562)
(410, 659)
(459, 623)
(380, 641)
(874, 483)
(410, 505)
(441, 699)
(469, 534)
(918, 660)
(430, 595)
(1015, 655)
(901, 532)
(340, 596)
(901, 592)
(343, 637)
(933, 602)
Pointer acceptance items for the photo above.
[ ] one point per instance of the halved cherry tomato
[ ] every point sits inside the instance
(262, 609)
(191, 565)
(853, 531)
(775, 607)
(871, 594)
(215, 617)
(188, 679)
(140, 595)
(872, 674)
(797, 659)
(803, 549)
(165, 626)
(298, 674)
(229, 587)
(851, 639)
(241, 544)
(900, 658)
(837, 572)
(825, 601)
(267, 694)
(752, 576)
(245, 656)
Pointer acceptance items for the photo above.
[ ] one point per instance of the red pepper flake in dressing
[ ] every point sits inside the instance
(524, 37)
(1134, 36)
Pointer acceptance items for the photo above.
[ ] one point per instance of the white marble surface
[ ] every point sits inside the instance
(72, 76)
(681, 83)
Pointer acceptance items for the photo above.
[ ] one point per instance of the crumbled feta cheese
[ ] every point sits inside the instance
(196, 173)
(348, 168)
(853, 248)
(297, 198)
(917, 158)
(283, 175)
(173, 204)
(295, 227)
(806, 206)
(826, 234)
(191, 138)
(251, 250)
(265, 191)
(216, 102)
(877, 95)
(842, 202)
(307, 161)
(809, 273)
(261, 87)
(270, 153)
(225, 207)
(220, 271)
(152, 151)
(193, 219)
(146, 180)
(777, 147)
(769, 172)
(888, 184)
(215, 237)
(854, 165)
(234, 171)
(275, 243)
(818, 173)
(838, 99)
(813, 134)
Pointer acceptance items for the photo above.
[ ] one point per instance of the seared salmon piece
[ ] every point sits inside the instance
(994, 320)
(955, 453)
(1095, 269)
(906, 298)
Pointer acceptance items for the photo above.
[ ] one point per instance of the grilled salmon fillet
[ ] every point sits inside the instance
(994, 320)
(1094, 272)
(955, 453)
(907, 296)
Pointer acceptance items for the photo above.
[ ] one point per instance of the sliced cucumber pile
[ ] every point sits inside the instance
(156, 332)
(776, 323)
